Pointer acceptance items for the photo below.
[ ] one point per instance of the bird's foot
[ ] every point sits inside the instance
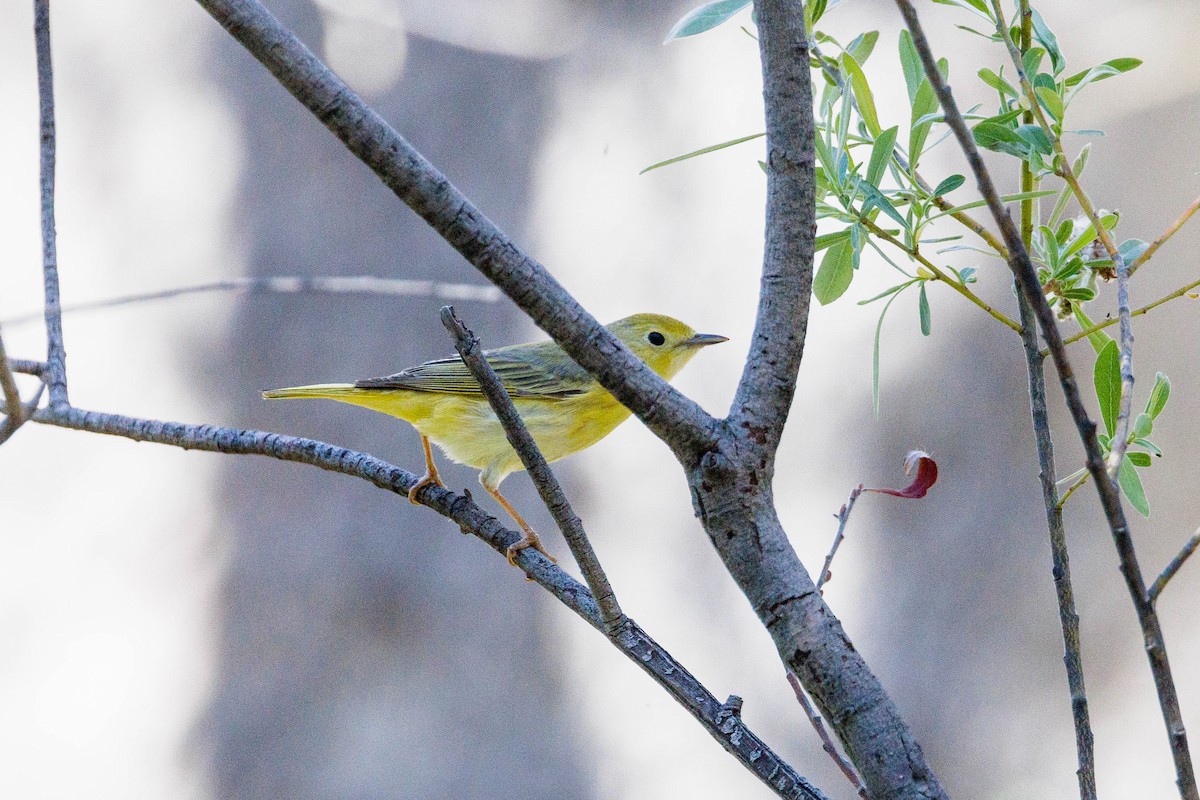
(530, 539)
(428, 479)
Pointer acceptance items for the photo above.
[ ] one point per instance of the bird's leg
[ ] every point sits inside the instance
(430, 476)
(530, 539)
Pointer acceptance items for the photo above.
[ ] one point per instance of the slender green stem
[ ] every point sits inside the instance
(1137, 312)
(1136, 264)
(940, 274)
(1082, 480)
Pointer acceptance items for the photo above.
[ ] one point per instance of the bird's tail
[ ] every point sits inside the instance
(333, 391)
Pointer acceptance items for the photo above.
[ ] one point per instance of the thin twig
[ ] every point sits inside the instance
(27, 366)
(284, 284)
(1169, 571)
(56, 354)
(941, 274)
(1110, 500)
(630, 639)
(1137, 312)
(1068, 617)
(1136, 264)
(467, 345)
(1084, 478)
(826, 740)
(843, 516)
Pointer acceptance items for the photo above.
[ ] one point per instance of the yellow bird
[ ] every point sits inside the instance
(563, 406)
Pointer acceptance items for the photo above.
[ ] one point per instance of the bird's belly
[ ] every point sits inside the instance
(469, 432)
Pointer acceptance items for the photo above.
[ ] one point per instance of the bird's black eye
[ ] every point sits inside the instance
(655, 338)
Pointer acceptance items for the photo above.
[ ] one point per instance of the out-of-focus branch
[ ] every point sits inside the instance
(674, 418)
(56, 354)
(768, 382)
(467, 345)
(728, 729)
(1169, 571)
(8, 384)
(284, 284)
(1110, 501)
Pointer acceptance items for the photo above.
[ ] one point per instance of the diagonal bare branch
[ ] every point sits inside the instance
(674, 418)
(723, 725)
(535, 464)
(1174, 566)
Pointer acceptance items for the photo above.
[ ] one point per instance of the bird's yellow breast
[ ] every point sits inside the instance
(467, 430)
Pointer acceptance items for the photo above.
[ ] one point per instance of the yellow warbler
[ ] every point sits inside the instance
(563, 406)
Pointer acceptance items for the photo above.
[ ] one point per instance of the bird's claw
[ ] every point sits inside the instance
(530, 539)
(426, 480)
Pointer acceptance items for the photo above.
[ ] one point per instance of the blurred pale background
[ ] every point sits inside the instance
(191, 625)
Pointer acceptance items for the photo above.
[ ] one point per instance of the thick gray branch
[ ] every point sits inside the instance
(768, 382)
(722, 724)
(56, 354)
(675, 419)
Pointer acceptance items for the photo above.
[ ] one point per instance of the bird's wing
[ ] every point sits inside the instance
(520, 376)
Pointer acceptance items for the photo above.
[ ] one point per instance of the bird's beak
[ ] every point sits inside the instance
(703, 340)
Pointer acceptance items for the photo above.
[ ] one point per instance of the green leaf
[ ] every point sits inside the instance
(1149, 445)
(835, 273)
(923, 311)
(1050, 101)
(830, 239)
(1158, 396)
(996, 82)
(705, 17)
(704, 150)
(1140, 459)
(948, 185)
(1131, 250)
(925, 102)
(881, 154)
(887, 292)
(862, 93)
(863, 45)
(815, 11)
(1031, 61)
(1036, 137)
(1080, 294)
(1042, 32)
(1007, 198)
(1107, 378)
(978, 6)
(1143, 426)
(1001, 138)
(876, 199)
(875, 357)
(910, 63)
(1099, 339)
(1131, 486)
(1102, 71)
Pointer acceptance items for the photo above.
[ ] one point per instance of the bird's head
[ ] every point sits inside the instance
(665, 344)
